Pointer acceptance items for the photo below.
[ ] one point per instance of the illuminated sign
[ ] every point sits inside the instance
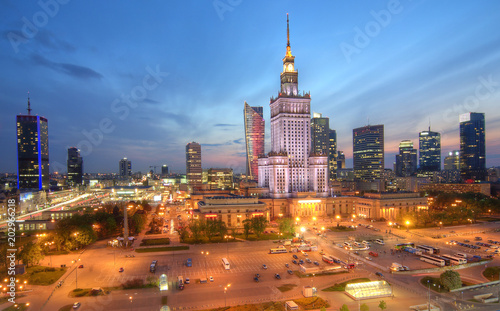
(258, 214)
(464, 117)
(211, 216)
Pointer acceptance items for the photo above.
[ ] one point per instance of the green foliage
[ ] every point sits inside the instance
(286, 226)
(364, 307)
(492, 273)
(197, 227)
(31, 254)
(322, 309)
(247, 225)
(382, 305)
(344, 308)
(451, 279)
(258, 225)
(137, 223)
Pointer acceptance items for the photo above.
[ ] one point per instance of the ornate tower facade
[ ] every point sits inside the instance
(291, 167)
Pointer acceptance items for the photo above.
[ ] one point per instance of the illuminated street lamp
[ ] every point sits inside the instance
(206, 254)
(338, 220)
(225, 290)
(407, 225)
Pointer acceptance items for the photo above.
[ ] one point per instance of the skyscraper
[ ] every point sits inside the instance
(32, 151)
(164, 170)
(406, 160)
(291, 166)
(193, 164)
(75, 167)
(254, 138)
(320, 136)
(472, 146)
(332, 154)
(125, 168)
(429, 147)
(452, 161)
(368, 152)
(340, 159)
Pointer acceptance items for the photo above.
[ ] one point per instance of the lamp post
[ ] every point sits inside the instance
(429, 295)
(227, 247)
(338, 220)
(407, 226)
(225, 290)
(206, 254)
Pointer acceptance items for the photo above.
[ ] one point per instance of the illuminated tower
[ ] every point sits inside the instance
(193, 165)
(472, 146)
(32, 151)
(75, 167)
(429, 151)
(406, 160)
(368, 152)
(125, 168)
(254, 138)
(292, 166)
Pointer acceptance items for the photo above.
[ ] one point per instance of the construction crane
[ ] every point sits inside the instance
(154, 168)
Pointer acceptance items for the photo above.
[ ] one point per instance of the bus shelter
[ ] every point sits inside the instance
(367, 290)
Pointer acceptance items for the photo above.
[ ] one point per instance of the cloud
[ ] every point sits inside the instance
(73, 70)
(238, 141)
(150, 101)
(224, 124)
(48, 40)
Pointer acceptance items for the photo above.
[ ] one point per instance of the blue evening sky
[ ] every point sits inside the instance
(141, 79)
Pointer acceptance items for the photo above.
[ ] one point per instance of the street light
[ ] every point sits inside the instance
(407, 225)
(206, 254)
(338, 220)
(227, 247)
(225, 290)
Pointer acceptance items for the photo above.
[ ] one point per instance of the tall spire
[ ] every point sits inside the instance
(29, 105)
(288, 49)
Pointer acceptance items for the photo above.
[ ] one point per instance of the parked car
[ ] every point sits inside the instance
(379, 274)
(368, 258)
(264, 267)
(295, 262)
(121, 269)
(301, 262)
(289, 271)
(287, 265)
(211, 278)
(308, 260)
(316, 263)
(257, 275)
(374, 254)
(187, 281)
(277, 276)
(295, 257)
(256, 279)
(80, 267)
(76, 305)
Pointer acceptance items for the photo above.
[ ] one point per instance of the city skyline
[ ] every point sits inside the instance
(417, 66)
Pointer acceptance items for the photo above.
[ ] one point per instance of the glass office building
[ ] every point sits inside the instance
(472, 146)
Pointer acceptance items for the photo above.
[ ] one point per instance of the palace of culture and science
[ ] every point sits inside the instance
(290, 167)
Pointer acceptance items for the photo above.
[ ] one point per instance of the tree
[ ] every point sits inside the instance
(382, 305)
(31, 254)
(451, 279)
(197, 226)
(287, 226)
(364, 307)
(344, 308)
(258, 225)
(322, 309)
(85, 236)
(246, 227)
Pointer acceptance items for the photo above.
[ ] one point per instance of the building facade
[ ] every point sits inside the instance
(75, 167)
(452, 161)
(220, 178)
(32, 151)
(368, 152)
(292, 166)
(193, 165)
(332, 154)
(254, 138)
(429, 147)
(406, 160)
(125, 168)
(472, 146)
(164, 170)
(320, 135)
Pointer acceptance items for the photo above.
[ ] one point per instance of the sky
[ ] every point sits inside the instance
(142, 79)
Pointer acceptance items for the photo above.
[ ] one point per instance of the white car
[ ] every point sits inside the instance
(211, 278)
(76, 305)
(368, 258)
(186, 281)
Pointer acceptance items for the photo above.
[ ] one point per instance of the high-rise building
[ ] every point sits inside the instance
(193, 164)
(220, 178)
(75, 167)
(254, 138)
(368, 152)
(320, 135)
(406, 160)
(125, 168)
(452, 161)
(32, 151)
(291, 167)
(429, 147)
(332, 154)
(472, 146)
(340, 159)
(164, 170)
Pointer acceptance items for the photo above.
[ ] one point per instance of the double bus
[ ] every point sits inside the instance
(225, 263)
(328, 259)
(152, 267)
(455, 260)
(428, 249)
(404, 245)
(432, 260)
(278, 250)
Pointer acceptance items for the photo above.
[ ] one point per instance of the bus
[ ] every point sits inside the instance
(428, 249)
(278, 250)
(455, 260)
(447, 261)
(189, 262)
(152, 267)
(404, 245)
(432, 260)
(180, 282)
(328, 259)
(379, 241)
(225, 263)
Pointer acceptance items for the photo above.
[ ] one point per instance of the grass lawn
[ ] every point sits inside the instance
(66, 308)
(491, 273)
(311, 303)
(162, 241)
(319, 274)
(341, 229)
(161, 249)
(340, 287)
(286, 287)
(41, 275)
